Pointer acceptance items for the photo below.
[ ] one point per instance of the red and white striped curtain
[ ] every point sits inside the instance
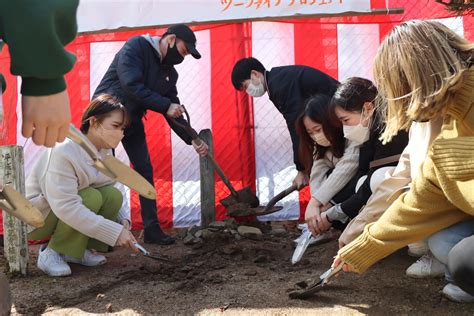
(251, 141)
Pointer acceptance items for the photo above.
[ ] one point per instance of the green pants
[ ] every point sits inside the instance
(105, 201)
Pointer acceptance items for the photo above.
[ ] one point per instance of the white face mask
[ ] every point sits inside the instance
(320, 139)
(357, 133)
(256, 90)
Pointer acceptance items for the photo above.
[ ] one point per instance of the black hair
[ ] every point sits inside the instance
(317, 108)
(242, 70)
(100, 108)
(353, 93)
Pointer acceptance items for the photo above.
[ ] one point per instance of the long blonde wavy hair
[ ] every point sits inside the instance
(418, 69)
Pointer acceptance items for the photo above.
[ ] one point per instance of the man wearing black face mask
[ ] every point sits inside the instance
(143, 77)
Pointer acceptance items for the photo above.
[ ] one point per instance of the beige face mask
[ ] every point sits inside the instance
(320, 139)
(111, 137)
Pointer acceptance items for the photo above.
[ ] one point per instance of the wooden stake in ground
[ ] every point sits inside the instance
(208, 209)
(14, 230)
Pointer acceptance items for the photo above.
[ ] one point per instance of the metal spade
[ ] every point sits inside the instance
(244, 198)
(308, 291)
(241, 211)
(150, 255)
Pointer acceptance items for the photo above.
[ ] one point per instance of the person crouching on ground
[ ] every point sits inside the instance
(425, 70)
(332, 159)
(82, 208)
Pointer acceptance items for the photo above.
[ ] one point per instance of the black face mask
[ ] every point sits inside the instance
(173, 57)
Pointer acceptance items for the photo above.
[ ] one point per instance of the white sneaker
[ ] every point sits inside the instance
(456, 294)
(89, 259)
(52, 263)
(418, 249)
(426, 267)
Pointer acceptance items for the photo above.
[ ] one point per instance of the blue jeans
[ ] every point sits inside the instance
(442, 242)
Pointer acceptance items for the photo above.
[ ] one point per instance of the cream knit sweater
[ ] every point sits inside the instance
(60, 173)
(324, 188)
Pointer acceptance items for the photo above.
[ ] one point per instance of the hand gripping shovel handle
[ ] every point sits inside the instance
(331, 272)
(195, 137)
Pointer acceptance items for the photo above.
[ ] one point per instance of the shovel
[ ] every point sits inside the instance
(112, 167)
(150, 255)
(308, 291)
(262, 210)
(12, 202)
(243, 198)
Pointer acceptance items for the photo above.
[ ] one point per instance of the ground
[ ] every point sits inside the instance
(225, 275)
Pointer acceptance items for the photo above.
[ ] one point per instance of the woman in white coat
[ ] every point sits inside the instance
(82, 208)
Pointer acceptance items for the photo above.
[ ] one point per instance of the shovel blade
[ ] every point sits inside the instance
(245, 195)
(306, 293)
(316, 286)
(126, 175)
(99, 165)
(16, 205)
(242, 210)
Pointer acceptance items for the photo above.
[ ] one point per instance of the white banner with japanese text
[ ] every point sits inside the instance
(96, 15)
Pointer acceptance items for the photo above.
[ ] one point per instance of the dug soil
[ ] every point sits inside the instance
(230, 274)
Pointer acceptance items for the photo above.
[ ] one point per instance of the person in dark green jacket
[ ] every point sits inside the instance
(35, 33)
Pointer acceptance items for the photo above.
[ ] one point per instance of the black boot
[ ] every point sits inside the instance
(154, 235)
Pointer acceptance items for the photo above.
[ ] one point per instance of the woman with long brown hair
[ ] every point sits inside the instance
(425, 72)
(331, 159)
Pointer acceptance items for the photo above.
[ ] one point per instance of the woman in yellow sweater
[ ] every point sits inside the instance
(425, 71)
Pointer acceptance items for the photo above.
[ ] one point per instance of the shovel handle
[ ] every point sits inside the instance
(218, 169)
(222, 175)
(187, 126)
(76, 136)
(141, 248)
(194, 135)
(280, 196)
(332, 272)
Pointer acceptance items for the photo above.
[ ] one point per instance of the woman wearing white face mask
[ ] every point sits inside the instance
(332, 160)
(82, 208)
(353, 105)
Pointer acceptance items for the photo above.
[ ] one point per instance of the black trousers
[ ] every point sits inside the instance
(136, 147)
(461, 264)
(346, 192)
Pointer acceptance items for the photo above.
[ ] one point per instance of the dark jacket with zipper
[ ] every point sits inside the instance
(289, 87)
(141, 82)
(373, 150)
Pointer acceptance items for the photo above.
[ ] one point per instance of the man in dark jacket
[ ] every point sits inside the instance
(143, 77)
(288, 87)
